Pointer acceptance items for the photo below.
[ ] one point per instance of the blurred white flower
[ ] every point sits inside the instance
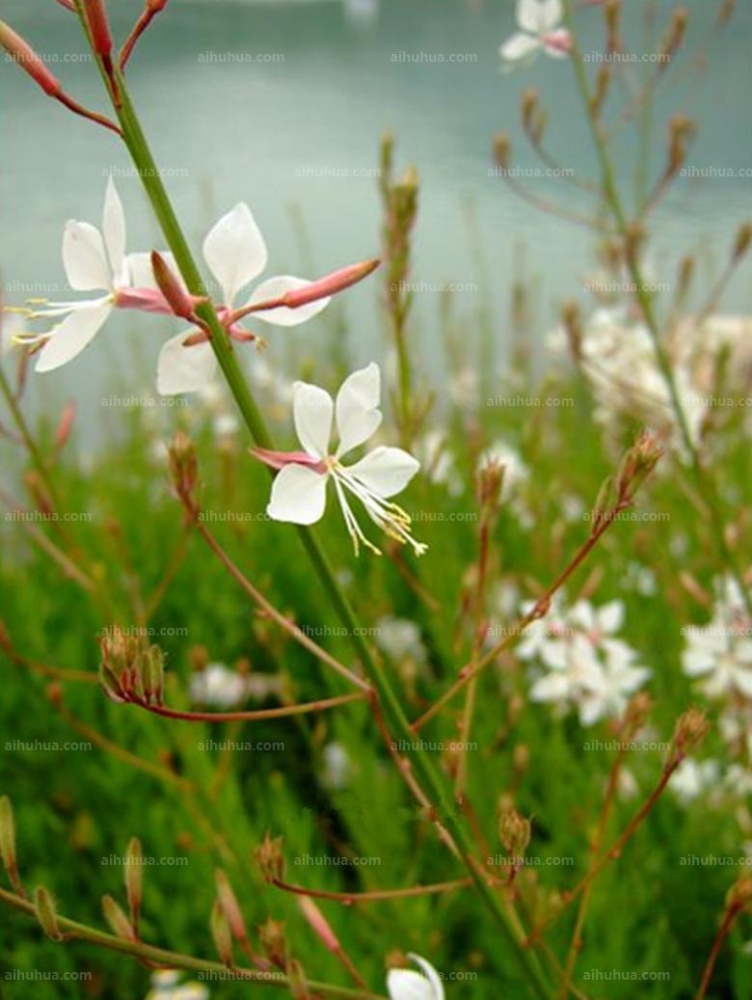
(218, 687)
(338, 766)
(437, 461)
(165, 986)
(587, 667)
(400, 639)
(404, 984)
(692, 778)
(540, 30)
(721, 651)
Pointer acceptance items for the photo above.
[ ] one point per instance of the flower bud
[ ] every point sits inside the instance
(171, 287)
(183, 464)
(743, 240)
(134, 878)
(691, 730)
(270, 859)
(230, 906)
(99, 27)
(8, 843)
(319, 923)
(274, 941)
(674, 36)
(726, 12)
(502, 149)
(62, 434)
(117, 920)
(612, 13)
(221, 933)
(739, 896)
(46, 914)
(153, 675)
(514, 832)
(296, 981)
(571, 319)
(333, 283)
(529, 107)
(22, 53)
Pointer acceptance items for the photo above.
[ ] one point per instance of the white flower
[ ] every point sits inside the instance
(721, 651)
(165, 987)
(94, 261)
(587, 667)
(235, 253)
(400, 638)
(338, 766)
(540, 24)
(691, 778)
(404, 984)
(218, 686)
(299, 490)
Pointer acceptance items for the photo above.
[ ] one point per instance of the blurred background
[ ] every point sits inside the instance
(282, 104)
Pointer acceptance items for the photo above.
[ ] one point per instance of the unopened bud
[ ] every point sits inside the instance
(44, 907)
(22, 53)
(674, 36)
(270, 859)
(230, 906)
(528, 107)
(274, 941)
(8, 843)
(99, 28)
(222, 934)
(739, 896)
(117, 920)
(62, 434)
(612, 14)
(681, 131)
(183, 464)
(571, 319)
(691, 730)
(296, 981)
(171, 287)
(152, 674)
(490, 484)
(514, 832)
(638, 463)
(502, 150)
(743, 240)
(319, 923)
(134, 878)
(726, 12)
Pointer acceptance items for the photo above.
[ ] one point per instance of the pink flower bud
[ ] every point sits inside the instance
(29, 61)
(171, 287)
(335, 282)
(319, 923)
(99, 26)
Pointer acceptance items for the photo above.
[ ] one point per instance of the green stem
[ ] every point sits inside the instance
(445, 809)
(611, 194)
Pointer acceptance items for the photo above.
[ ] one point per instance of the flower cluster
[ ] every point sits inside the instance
(586, 666)
(721, 651)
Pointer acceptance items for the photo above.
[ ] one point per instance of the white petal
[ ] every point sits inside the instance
(552, 687)
(519, 46)
(404, 984)
(184, 369)
(235, 251)
(529, 15)
(84, 257)
(385, 471)
(70, 338)
(610, 617)
(113, 227)
(559, 45)
(550, 15)
(274, 288)
(358, 415)
(313, 410)
(433, 976)
(298, 495)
